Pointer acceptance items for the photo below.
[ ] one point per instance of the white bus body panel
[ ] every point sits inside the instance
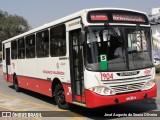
(52, 67)
(27, 67)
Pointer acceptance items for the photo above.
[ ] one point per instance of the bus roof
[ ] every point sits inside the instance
(64, 19)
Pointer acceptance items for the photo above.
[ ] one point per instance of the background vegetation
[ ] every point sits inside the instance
(11, 25)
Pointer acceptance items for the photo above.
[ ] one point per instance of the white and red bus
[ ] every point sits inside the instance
(73, 59)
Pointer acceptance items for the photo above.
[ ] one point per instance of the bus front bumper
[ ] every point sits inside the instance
(94, 100)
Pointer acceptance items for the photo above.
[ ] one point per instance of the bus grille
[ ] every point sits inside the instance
(128, 84)
(127, 87)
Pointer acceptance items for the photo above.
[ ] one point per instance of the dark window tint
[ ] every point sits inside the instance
(42, 44)
(14, 49)
(8, 61)
(3, 52)
(58, 41)
(30, 46)
(21, 48)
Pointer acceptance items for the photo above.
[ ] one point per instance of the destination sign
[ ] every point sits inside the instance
(98, 16)
(129, 18)
(117, 16)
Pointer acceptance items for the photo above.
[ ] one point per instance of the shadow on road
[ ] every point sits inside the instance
(116, 110)
(36, 95)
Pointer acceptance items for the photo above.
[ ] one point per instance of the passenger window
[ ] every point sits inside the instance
(3, 52)
(42, 44)
(21, 48)
(30, 46)
(14, 49)
(58, 41)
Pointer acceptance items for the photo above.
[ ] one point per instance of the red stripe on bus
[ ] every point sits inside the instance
(10, 76)
(68, 92)
(36, 85)
(40, 86)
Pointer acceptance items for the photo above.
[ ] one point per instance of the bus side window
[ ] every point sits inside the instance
(14, 49)
(3, 52)
(42, 44)
(30, 46)
(21, 48)
(58, 41)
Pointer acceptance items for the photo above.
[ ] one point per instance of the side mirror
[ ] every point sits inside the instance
(82, 37)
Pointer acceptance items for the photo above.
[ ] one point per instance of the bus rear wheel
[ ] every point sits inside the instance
(15, 83)
(60, 97)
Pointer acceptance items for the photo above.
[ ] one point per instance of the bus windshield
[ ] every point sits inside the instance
(125, 48)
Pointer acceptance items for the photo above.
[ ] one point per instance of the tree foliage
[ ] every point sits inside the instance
(11, 25)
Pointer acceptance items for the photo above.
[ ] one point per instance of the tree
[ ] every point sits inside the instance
(11, 25)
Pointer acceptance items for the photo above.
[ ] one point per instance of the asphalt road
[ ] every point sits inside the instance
(31, 103)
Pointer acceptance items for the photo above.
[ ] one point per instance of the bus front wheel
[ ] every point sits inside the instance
(60, 97)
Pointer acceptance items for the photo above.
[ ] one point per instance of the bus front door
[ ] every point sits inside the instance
(8, 64)
(76, 69)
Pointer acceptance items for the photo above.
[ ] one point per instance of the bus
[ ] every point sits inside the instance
(73, 59)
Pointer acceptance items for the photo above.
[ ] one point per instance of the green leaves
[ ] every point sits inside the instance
(11, 25)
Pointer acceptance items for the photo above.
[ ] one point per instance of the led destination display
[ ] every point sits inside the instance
(117, 16)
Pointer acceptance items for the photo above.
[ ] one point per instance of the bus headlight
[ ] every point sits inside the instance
(102, 90)
(149, 85)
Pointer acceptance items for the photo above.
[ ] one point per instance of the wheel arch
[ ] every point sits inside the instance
(55, 82)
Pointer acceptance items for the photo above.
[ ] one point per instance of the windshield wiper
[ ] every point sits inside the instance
(114, 32)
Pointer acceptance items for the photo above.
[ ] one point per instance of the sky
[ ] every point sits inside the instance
(39, 12)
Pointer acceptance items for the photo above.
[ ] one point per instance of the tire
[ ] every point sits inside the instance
(16, 86)
(60, 97)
